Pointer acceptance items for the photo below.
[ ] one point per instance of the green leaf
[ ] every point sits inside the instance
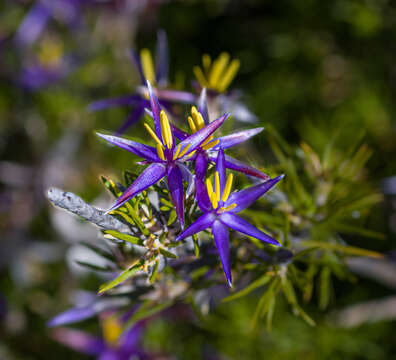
(261, 281)
(172, 217)
(125, 237)
(148, 308)
(167, 253)
(122, 277)
(93, 266)
(111, 186)
(196, 245)
(154, 273)
(324, 287)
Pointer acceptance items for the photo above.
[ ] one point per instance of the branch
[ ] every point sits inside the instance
(77, 206)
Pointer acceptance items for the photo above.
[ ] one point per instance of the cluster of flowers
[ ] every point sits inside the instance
(175, 155)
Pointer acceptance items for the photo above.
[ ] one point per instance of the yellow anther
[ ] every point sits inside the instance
(191, 154)
(147, 65)
(207, 141)
(176, 153)
(192, 124)
(211, 194)
(198, 119)
(211, 144)
(228, 208)
(227, 189)
(152, 133)
(112, 330)
(219, 65)
(160, 152)
(229, 75)
(166, 130)
(184, 151)
(217, 185)
(200, 76)
(206, 61)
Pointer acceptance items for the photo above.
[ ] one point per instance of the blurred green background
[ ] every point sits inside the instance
(312, 69)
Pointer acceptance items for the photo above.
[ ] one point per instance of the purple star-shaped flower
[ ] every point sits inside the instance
(206, 153)
(164, 160)
(157, 75)
(219, 209)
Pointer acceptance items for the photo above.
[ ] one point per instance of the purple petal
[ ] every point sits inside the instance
(144, 151)
(162, 58)
(201, 165)
(138, 64)
(246, 197)
(32, 26)
(148, 177)
(203, 106)
(132, 119)
(234, 164)
(175, 184)
(155, 109)
(180, 134)
(176, 96)
(201, 194)
(72, 315)
(237, 223)
(238, 137)
(114, 102)
(220, 234)
(79, 341)
(221, 169)
(188, 178)
(131, 338)
(200, 136)
(202, 223)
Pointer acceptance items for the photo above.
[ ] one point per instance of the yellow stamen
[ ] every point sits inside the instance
(190, 154)
(211, 144)
(185, 149)
(200, 76)
(207, 141)
(160, 152)
(147, 65)
(219, 65)
(212, 196)
(227, 189)
(206, 61)
(175, 155)
(166, 130)
(192, 124)
(198, 119)
(112, 330)
(152, 133)
(229, 75)
(228, 208)
(217, 185)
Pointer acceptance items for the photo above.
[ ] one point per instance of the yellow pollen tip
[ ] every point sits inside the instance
(228, 208)
(229, 75)
(160, 152)
(192, 124)
(152, 134)
(200, 76)
(212, 196)
(147, 65)
(184, 151)
(112, 330)
(227, 189)
(219, 65)
(176, 154)
(166, 130)
(211, 144)
(217, 185)
(206, 62)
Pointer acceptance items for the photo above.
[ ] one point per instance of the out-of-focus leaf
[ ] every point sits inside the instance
(261, 281)
(196, 246)
(167, 253)
(324, 287)
(122, 277)
(348, 250)
(125, 237)
(154, 273)
(94, 267)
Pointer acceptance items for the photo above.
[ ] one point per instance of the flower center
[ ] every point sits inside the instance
(217, 75)
(215, 196)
